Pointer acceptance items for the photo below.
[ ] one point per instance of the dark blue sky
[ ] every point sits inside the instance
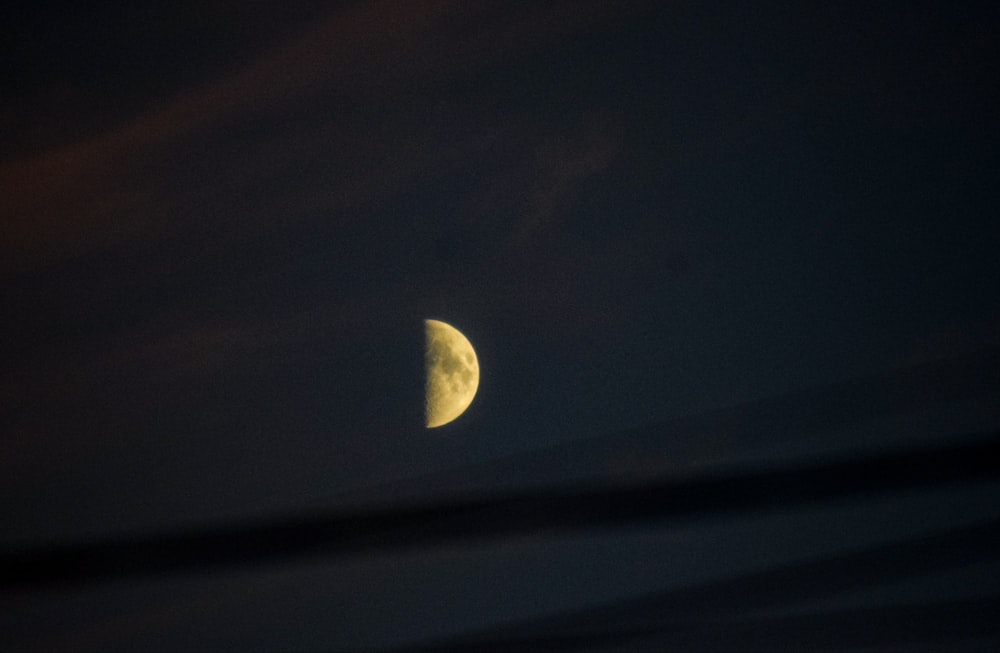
(686, 239)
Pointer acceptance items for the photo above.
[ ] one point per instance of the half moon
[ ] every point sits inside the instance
(452, 373)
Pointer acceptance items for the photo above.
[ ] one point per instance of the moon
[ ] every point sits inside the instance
(452, 373)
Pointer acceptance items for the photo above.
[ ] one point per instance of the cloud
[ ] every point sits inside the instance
(561, 168)
(116, 187)
(106, 190)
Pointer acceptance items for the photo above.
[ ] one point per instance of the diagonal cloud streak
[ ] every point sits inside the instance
(687, 614)
(549, 512)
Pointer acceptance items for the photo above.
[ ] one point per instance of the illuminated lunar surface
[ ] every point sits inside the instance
(452, 373)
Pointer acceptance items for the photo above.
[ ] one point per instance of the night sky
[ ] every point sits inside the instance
(723, 255)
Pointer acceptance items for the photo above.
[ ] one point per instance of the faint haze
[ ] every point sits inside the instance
(729, 251)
